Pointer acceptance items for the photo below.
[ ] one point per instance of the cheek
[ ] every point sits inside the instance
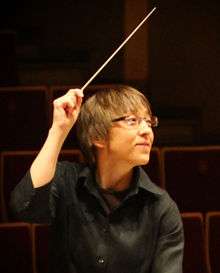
(151, 136)
(121, 140)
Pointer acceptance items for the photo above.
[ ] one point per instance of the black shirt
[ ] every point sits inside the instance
(142, 234)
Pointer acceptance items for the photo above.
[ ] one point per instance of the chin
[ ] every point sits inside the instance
(143, 160)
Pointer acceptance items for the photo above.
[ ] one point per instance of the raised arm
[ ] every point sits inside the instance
(65, 113)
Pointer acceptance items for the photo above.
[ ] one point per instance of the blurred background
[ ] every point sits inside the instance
(174, 58)
(47, 47)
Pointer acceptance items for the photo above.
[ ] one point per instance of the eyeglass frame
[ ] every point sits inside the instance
(139, 120)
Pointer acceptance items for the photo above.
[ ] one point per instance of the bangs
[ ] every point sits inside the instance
(121, 101)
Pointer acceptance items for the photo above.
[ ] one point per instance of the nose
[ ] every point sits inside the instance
(144, 128)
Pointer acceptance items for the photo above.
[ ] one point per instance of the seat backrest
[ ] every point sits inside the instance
(16, 248)
(72, 155)
(195, 251)
(2, 208)
(24, 117)
(153, 168)
(191, 176)
(213, 239)
(14, 165)
(41, 247)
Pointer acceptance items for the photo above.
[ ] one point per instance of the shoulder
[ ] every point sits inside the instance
(168, 214)
(67, 176)
(163, 208)
(162, 199)
(66, 168)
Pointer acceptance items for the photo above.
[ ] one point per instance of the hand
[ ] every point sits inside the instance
(66, 110)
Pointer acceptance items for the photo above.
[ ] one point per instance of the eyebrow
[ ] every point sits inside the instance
(128, 116)
(119, 118)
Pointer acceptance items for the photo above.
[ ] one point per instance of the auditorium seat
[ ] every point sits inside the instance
(195, 252)
(213, 239)
(16, 248)
(24, 117)
(153, 168)
(14, 165)
(2, 209)
(191, 176)
(41, 247)
(72, 155)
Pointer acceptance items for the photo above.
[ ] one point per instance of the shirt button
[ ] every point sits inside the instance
(26, 204)
(101, 260)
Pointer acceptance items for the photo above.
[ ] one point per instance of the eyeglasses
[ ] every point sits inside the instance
(134, 121)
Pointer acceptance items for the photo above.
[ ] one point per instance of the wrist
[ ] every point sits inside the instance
(57, 134)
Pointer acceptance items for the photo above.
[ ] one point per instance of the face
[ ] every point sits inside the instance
(130, 139)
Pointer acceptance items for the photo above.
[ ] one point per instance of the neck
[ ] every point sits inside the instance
(114, 176)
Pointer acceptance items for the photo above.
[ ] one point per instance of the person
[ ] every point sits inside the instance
(105, 215)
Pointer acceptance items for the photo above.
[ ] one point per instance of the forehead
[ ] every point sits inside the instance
(130, 105)
(138, 110)
(142, 112)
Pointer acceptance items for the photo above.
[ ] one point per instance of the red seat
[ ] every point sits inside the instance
(195, 251)
(72, 155)
(14, 165)
(16, 248)
(213, 239)
(41, 247)
(2, 204)
(192, 177)
(153, 168)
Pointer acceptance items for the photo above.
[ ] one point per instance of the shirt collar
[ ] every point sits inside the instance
(144, 182)
(87, 179)
(141, 179)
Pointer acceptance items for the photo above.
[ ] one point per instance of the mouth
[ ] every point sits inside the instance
(144, 144)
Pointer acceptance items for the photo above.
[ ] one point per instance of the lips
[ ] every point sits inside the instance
(143, 144)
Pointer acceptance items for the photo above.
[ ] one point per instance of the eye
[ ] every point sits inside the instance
(148, 122)
(131, 121)
(151, 122)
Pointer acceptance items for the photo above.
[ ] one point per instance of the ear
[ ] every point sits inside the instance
(99, 143)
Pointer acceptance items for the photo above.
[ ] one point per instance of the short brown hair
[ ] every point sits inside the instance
(98, 111)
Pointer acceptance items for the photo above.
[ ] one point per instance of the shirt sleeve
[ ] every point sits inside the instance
(30, 204)
(169, 250)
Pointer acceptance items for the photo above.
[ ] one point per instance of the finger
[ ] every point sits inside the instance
(76, 96)
(66, 102)
(76, 92)
(79, 93)
(79, 102)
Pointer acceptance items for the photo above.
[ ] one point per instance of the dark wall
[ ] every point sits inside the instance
(64, 42)
(184, 68)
